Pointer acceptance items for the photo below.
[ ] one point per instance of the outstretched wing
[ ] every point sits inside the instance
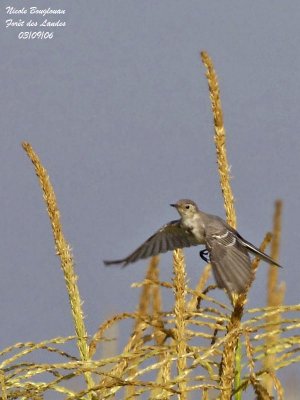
(169, 237)
(230, 261)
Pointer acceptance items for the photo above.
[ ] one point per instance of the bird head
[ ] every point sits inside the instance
(186, 208)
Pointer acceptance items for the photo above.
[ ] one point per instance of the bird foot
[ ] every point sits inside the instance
(204, 254)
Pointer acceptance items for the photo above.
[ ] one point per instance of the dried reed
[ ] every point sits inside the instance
(136, 340)
(180, 288)
(144, 310)
(230, 356)
(63, 250)
(164, 373)
(275, 298)
(220, 139)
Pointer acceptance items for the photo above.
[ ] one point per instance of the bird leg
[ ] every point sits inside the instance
(204, 254)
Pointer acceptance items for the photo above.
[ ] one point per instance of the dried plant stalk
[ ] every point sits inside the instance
(180, 289)
(110, 349)
(259, 390)
(157, 305)
(64, 252)
(278, 386)
(143, 311)
(229, 357)
(220, 143)
(220, 139)
(146, 294)
(229, 354)
(263, 246)
(105, 326)
(3, 392)
(164, 373)
(257, 386)
(275, 298)
(199, 288)
(230, 366)
(163, 377)
(111, 381)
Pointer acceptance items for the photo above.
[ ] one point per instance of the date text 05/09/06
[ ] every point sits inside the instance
(20, 23)
(36, 35)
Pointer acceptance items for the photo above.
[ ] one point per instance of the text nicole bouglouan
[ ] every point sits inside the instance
(34, 22)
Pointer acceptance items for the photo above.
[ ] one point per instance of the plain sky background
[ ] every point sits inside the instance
(117, 107)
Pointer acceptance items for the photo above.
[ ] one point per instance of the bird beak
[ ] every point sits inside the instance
(173, 205)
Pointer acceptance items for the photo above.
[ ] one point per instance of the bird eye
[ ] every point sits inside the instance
(187, 206)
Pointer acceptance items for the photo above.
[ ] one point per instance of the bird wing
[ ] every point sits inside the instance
(230, 261)
(169, 237)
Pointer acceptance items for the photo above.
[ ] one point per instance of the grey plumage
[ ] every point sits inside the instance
(228, 251)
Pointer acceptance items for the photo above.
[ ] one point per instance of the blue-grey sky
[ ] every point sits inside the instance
(117, 107)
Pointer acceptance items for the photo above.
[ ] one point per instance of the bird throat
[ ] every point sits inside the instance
(196, 226)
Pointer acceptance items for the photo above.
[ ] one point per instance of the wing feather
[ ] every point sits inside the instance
(230, 262)
(171, 236)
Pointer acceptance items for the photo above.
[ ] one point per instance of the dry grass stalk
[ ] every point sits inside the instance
(250, 355)
(229, 353)
(163, 375)
(166, 285)
(192, 304)
(180, 289)
(228, 361)
(278, 386)
(230, 346)
(64, 252)
(224, 173)
(157, 321)
(3, 392)
(263, 246)
(259, 390)
(98, 336)
(29, 347)
(109, 348)
(275, 298)
(275, 247)
(163, 378)
(144, 310)
(220, 139)
(144, 307)
(205, 394)
(111, 382)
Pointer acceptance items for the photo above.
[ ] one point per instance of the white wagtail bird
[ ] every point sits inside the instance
(228, 251)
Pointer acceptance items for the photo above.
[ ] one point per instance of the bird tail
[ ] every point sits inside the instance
(254, 250)
(232, 270)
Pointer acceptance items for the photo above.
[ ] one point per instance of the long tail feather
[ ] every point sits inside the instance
(254, 250)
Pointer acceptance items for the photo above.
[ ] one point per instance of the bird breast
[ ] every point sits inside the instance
(196, 226)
